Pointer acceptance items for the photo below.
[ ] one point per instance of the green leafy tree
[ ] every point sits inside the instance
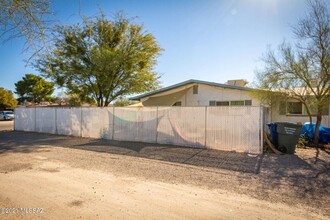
(7, 100)
(102, 59)
(74, 100)
(33, 88)
(79, 100)
(302, 71)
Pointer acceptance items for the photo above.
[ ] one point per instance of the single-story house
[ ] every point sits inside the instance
(234, 93)
(200, 93)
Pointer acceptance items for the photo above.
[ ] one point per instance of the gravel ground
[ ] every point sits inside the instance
(299, 181)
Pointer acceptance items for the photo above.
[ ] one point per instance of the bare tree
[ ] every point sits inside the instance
(301, 71)
(24, 18)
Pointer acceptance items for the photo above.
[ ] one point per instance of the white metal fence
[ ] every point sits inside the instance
(223, 128)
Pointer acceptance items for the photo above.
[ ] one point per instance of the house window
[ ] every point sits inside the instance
(231, 103)
(297, 108)
(222, 103)
(177, 104)
(248, 102)
(294, 108)
(195, 89)
(237, 103)
(212, 103)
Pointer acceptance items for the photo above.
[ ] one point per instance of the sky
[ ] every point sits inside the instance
(209, 40)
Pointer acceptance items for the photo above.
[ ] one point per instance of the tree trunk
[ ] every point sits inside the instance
(317, 128)
(99, 102)
(309, 115)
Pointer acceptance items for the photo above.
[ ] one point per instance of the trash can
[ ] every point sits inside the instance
(288, 136)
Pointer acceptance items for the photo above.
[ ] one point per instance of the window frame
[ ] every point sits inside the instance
(290, 106)
(248, 102)
(283, 109)
(217, 103)
(212, 103)
(237, 101)
(195, 89)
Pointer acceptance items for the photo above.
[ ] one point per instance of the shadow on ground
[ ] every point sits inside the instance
(25, 142)
(303, 178)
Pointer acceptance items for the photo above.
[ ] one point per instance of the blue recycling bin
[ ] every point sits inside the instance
(274, 135)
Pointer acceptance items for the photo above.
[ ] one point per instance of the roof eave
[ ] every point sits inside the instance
(137, 98)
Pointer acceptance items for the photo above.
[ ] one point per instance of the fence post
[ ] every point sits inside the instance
(81, 121)
(113, 123)
(205, 135)
(261, 129)
(14, 119)
(55, 120)
(35, 119)
(157, 125)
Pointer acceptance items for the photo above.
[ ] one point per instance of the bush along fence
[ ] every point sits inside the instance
(222, 128)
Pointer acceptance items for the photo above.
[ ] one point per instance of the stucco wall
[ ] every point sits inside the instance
(206, 94)
(209, 93)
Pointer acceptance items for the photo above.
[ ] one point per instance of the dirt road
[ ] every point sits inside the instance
(71, 183)
(6, 125)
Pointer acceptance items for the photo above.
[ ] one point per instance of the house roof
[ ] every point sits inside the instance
(191, 81)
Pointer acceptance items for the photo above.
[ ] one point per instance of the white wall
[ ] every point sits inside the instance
(221, 128)
(181, 126)
(234, 129)
(45, 120)
(97, 122)
(25, 119)
(208, 93)
(68, 121)
(135, 124)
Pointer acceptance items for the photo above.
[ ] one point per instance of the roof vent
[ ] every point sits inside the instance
(237, 82)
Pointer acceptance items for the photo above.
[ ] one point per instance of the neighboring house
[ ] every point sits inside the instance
(200, 93)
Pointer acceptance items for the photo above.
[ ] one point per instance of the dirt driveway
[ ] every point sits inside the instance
(73, 178)
(6, 125)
